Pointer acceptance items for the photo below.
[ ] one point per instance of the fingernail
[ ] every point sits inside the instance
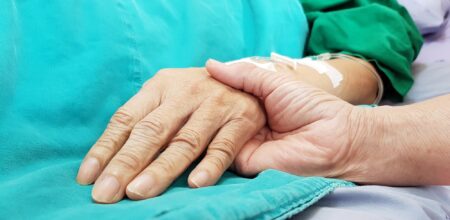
(140, 186)
(200, 179)
(105, 190)
(89, 170)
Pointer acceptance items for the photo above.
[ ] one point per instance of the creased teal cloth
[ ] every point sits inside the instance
(66, 66)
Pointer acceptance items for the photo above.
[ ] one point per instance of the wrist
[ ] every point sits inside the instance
(388, 151)
(365, 124)
(379, 155)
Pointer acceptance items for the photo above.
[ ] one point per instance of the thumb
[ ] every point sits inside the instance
(247, 77)
(290, 100)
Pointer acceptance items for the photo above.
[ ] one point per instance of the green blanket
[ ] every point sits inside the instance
(66, 66)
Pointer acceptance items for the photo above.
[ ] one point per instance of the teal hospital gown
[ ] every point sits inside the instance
(66, 66)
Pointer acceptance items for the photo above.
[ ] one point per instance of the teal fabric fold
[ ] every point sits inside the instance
(270, 195)
(66, 66)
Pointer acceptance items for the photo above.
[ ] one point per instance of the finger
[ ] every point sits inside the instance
(117, 133)
(248, 149)
(146, 141)
(184, 148)
(247, 77)
(221, 152)
(254, 158)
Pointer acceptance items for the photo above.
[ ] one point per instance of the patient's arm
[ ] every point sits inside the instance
(359, 85)
(411, 144)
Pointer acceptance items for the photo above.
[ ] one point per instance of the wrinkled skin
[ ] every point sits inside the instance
(309, 131)
(157, 134)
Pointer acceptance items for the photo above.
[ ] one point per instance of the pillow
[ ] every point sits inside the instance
(430, 16)
(431, 80)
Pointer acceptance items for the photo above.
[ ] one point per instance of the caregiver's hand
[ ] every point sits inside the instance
(313, 133)
(158, 133)
(310, 132)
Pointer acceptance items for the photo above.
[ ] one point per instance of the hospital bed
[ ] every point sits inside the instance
(432, 78)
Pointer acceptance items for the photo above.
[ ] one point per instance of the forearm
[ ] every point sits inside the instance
(407, 145)
(359, 85)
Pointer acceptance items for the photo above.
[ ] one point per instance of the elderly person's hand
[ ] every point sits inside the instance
(309, 132)
(157, 134)
(313, 133)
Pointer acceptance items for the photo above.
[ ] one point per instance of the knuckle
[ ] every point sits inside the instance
(188, 138)
(180, 153)
(129, 160)
(105, 146)
(196, 88)
(222, 153)
(146, 142)
(165, 166)
(218, 162)
(121, 119)
(147, 128)
(248, 107)
(254, 105)
(221, 99)
(224, 147)
(160, 78)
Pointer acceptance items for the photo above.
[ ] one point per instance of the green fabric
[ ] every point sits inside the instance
(66, 66)
(380, 31)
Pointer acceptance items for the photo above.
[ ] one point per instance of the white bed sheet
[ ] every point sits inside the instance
(380, 202)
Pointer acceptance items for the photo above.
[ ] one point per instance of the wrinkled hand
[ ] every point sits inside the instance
(309, 132)
(158, 133)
